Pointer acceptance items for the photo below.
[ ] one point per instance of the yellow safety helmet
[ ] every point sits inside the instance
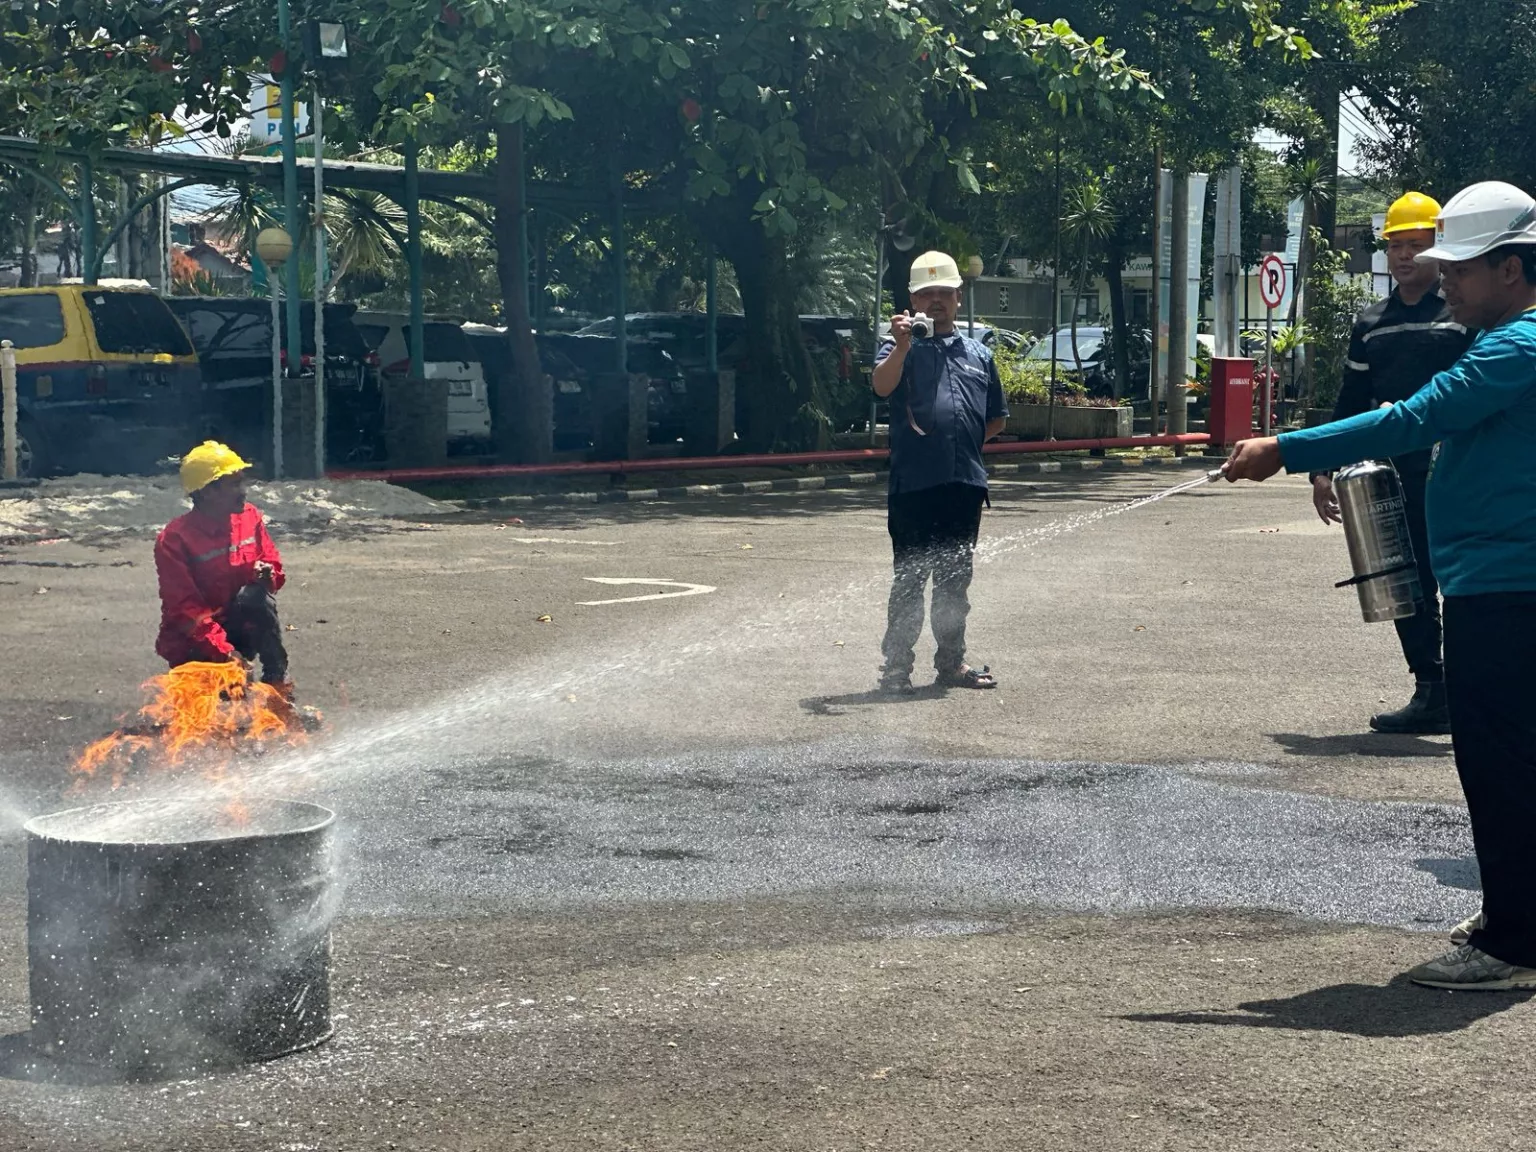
(1412, 212)
(208, 462)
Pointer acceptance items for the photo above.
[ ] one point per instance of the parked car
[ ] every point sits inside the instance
(447, 356)
(106, 379)
(568, 382)
(233, 337)
(683, 336)
(666, 382)
(992, 337)
(1095, 352)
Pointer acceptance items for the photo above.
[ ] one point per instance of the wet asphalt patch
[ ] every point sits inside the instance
(546, 833)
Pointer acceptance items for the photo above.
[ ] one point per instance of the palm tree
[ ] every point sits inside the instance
(1309, 181)
(366, 229)
(1088, 221)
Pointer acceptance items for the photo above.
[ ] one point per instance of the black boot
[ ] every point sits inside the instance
(1424, 715)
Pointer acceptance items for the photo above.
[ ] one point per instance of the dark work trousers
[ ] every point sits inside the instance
(1419, 634)
(252, 626)
(933, 533)
(1490, 683)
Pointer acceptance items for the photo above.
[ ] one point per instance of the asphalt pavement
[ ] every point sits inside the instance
(634, 858)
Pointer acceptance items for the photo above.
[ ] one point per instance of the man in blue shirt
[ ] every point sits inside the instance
(946, 402)
(1482, 541)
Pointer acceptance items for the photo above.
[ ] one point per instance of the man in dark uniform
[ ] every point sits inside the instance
(946, 402)
(1397, 347)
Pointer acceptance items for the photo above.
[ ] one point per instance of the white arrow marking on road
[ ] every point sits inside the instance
(685, 590)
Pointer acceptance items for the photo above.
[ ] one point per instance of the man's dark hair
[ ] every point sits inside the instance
(1525, 253)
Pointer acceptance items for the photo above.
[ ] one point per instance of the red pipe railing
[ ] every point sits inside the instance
(762, 460)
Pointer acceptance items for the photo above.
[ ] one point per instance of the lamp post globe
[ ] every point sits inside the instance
(274, 246)
(973, 268)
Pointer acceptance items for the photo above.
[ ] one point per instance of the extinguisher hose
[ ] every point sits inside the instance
(1392, 571)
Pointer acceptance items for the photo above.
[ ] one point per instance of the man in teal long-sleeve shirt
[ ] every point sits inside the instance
(1482, 539)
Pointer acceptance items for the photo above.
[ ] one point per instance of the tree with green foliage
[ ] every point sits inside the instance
(1087, 221)
(487, 73)
(1450, 92)
(753, 114)
(96, 72)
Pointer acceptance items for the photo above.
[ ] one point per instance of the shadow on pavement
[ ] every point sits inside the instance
(832, 705)
(1453, 872)
(20, 1061)
(1397, 1009)
(1362, 744)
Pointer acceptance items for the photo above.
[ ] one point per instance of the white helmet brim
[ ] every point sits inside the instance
(914, 287)
(1452, 253)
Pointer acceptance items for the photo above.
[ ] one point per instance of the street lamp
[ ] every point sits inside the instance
(972, 273)
(274, 246)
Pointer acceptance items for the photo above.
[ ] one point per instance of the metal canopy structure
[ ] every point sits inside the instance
(403, 183)
(407, 184)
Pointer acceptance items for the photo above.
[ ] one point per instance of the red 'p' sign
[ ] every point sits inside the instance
(1272, 280)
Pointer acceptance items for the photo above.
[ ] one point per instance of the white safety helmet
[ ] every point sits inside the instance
(1480, 218)
(934, 270)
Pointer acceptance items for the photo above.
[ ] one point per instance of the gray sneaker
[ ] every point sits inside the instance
(1463, 931)
(1470, 969)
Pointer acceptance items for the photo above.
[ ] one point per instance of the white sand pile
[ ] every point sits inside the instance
(90, 507)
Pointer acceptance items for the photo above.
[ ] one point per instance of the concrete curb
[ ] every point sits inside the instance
(822, 483)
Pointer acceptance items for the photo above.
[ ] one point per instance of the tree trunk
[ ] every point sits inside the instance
(1120, 334)
(1077, 297)
(29, 210)
(1304, 255)
(525, 413)
(1325, 217)
(777, 392)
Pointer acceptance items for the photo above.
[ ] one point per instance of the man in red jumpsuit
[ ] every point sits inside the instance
(219, 572)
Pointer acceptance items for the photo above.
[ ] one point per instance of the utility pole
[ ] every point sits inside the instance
(1050, 331)
(1155, 304)
(317, 124)
(290, 187)
(1178, 304)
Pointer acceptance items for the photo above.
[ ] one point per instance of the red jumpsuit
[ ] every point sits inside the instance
(203, 563)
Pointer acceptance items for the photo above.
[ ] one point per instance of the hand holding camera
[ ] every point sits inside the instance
(907, 327)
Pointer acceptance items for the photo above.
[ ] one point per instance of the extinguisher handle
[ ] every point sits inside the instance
(1392, 571)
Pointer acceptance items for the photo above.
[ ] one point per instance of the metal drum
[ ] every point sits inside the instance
(175, 937)
(1375, 518)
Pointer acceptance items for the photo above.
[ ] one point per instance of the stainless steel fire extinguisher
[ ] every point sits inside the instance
(1375, 518)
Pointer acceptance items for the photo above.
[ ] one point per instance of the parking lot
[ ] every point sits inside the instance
(635, 858)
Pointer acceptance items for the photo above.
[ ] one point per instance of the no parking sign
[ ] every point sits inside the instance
(1272, 280)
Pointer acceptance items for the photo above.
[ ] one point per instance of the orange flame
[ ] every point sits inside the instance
(194, 708)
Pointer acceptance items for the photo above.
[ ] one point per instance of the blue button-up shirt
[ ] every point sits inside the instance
(949, 392)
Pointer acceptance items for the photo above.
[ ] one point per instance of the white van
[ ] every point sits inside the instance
(446, 355)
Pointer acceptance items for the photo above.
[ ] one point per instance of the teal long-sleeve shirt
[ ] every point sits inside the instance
(1481, 501)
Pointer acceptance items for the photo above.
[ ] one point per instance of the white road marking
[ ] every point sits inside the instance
(685, 590)
(564, 540)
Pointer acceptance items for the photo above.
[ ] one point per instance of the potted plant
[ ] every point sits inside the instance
(1075, 415)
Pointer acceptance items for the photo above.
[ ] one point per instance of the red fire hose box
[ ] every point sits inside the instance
(1231, 414)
